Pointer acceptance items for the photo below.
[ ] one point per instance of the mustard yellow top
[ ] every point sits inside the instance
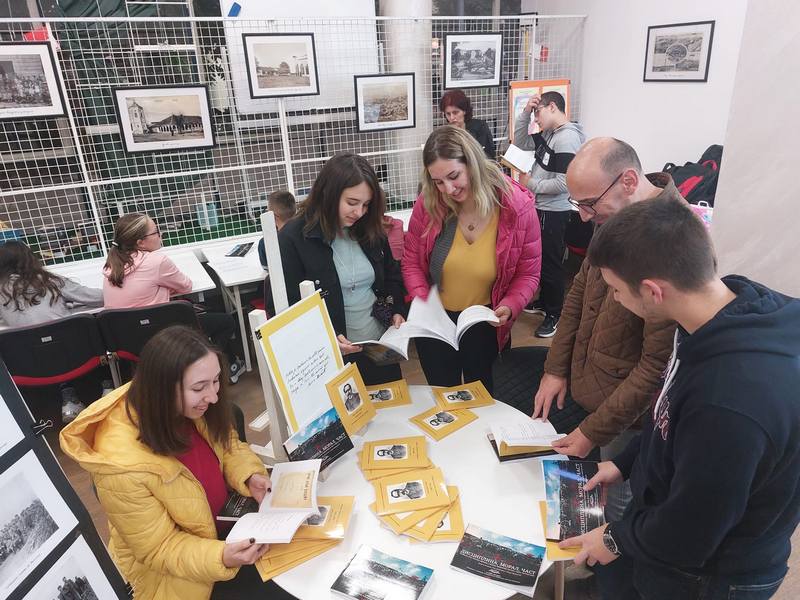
(469, 270)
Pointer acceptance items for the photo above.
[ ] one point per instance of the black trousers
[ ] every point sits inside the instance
(371, 373)
(445, 366)
(219, 327)
(247, 585)
(551, 290)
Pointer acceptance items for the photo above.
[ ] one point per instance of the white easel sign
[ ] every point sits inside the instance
(302, 353)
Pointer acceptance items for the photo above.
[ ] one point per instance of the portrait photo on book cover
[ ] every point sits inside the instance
(319, 520)
(348, 392)
(381, 395)
(460, 396)
(402, 492)
(441, 419)
(390, 452)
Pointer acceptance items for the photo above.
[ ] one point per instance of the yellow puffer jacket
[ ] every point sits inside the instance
(163, 536)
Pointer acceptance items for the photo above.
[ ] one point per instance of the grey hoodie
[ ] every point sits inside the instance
(554, 151)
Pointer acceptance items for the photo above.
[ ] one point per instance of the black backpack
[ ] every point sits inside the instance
(697, 182)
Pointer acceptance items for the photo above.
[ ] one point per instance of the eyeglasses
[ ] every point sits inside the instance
(589, 203)
(156, 232)
(540, 107)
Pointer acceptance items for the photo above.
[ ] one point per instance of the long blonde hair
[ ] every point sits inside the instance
(487, 181)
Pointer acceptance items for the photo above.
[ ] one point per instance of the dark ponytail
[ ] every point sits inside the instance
(128, 230)
(23, 279)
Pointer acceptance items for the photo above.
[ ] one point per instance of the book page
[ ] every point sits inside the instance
(395, 339)
(519, 159)
(473, 315)
(529, 432)
(427, 318)
(266, 528)
(294, 487)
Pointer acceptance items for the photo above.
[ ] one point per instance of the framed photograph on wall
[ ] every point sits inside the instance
(29, 86)
(678, 52)
(281, 64)
(472, 60)
(163, 118)
(385, 102)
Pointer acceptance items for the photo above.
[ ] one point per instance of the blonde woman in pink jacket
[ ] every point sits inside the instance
(473, 233)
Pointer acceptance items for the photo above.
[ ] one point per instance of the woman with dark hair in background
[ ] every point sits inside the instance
(457, 109)
(474, 233)
(338, 242)
(30, 294)
(137, 275)
(162, 455)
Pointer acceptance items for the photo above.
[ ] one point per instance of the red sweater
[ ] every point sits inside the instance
(202, 462)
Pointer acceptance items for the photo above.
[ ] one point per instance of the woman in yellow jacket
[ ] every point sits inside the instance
(162, 454)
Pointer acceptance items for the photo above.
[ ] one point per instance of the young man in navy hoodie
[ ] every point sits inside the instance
(715, 474)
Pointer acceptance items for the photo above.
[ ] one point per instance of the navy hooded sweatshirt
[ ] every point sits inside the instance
(715, 473)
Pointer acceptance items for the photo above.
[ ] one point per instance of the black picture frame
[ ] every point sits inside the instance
(680, 52)
(120, 94)
(286, 91)
(451, 79)
(364, 120)
(56, 107)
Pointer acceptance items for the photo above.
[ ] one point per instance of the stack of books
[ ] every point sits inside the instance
(318, 534)
(451, 412)
(411, 497)
(372, 574)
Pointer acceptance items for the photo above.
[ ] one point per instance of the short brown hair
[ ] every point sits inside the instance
(154, 394)
(344, 171)
(458, 99)
(283, 204)
(655, 239)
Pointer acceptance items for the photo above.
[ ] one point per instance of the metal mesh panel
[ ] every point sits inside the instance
(66, 179)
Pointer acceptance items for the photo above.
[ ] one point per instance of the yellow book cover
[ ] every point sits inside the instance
(553, 552)
(389, 395)
(469, 395)
(371, 474)
(415, 490)
(395, 453)
(332, 522)
(350, 399)
(451, 528)
(424, 530)
(439, 423)
(506, 450)
(294, 549)
(270, 568)
(402, 522)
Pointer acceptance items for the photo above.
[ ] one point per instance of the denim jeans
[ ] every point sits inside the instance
(625, 579)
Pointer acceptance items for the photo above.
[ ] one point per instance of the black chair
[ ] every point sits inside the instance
(54, 352)
(126, 330)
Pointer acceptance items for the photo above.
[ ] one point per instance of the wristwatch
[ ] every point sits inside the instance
(609, 543)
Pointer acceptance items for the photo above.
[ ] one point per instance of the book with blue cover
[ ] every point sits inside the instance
(375, 575)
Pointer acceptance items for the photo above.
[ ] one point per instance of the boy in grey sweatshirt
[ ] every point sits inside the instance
(555, 146)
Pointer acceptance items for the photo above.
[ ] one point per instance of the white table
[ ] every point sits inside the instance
(501, 497)
(90, 272)
(233, 272)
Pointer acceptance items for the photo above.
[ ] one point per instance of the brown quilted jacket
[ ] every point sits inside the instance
(612, 359)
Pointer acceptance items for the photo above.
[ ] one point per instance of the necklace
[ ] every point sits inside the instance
(352, 266)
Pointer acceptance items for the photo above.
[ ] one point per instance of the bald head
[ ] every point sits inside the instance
(604, 155)
(599, 164)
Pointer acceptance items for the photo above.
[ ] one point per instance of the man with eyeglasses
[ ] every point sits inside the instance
(554, 146)
(605, 363)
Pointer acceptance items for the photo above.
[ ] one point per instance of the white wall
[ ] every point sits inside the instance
(756, 217)
(665, 122)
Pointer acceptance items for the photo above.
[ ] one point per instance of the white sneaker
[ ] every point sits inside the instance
(236, 369)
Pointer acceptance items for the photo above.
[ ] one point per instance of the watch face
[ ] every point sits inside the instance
(609, 542)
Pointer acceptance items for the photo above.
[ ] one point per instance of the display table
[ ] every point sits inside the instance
(501, 497)
(90, 272)
(233, 272)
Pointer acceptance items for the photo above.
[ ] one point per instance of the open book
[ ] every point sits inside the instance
(426, 318)
(293, 499)
(518, 159)
(528, 436)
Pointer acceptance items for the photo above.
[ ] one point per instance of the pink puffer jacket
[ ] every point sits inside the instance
(519, 254)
